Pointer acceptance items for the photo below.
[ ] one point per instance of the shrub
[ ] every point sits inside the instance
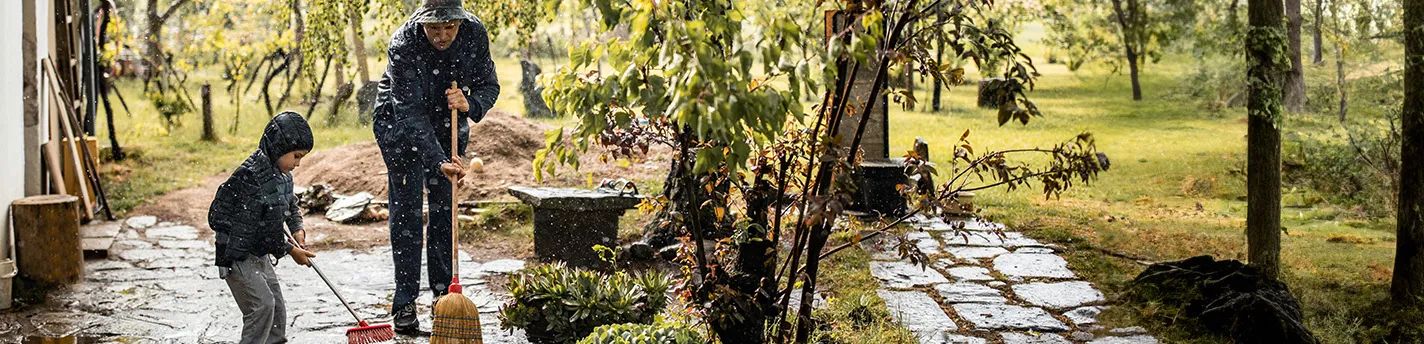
(1362, 169)
(557, 304)
(661, 333)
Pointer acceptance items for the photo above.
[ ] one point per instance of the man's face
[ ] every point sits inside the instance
(441, 35)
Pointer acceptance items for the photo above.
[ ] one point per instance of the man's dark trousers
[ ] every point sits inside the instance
(409, 182)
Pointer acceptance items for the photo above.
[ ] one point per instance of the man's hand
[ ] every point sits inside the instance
(454, 170)
(302, 257)
(456, 100)
(301, 237)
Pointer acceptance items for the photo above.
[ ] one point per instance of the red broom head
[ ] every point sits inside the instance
(368, 334)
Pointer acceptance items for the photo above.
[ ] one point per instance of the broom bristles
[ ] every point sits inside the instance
(370, 334)
(457, 321)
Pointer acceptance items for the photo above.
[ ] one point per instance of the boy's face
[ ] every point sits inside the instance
(289, 162)
(441, 35)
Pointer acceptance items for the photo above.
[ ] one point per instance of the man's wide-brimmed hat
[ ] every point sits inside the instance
(440, 11)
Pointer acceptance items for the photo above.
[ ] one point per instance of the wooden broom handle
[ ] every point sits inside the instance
(454, 205)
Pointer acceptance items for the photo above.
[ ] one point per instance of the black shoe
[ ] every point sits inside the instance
(406, 323)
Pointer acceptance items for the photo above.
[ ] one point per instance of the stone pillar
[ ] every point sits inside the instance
(878, 176)
(875, 140)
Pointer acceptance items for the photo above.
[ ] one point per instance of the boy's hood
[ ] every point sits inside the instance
(286, 133)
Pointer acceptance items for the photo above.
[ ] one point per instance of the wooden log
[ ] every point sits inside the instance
(47, 238)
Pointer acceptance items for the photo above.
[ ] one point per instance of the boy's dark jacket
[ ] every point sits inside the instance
(252, 205)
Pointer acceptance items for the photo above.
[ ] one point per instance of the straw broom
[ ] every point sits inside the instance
(457, 320)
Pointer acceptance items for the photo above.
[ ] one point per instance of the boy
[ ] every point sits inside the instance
(248, 213)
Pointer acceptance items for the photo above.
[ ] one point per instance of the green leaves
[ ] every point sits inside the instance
(569, 304)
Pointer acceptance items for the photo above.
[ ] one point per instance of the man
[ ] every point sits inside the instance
(441, 43)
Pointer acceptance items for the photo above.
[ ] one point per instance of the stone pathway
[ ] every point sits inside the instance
(159, 286)
(989, 284)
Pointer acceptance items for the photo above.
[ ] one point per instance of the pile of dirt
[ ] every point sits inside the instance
(505, 141)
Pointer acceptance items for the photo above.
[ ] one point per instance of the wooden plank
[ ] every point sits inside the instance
(74, 173)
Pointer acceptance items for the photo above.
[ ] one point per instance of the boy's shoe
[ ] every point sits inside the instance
(406, 323)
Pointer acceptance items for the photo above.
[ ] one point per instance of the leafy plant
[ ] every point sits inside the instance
(557, 304)
(660, 333)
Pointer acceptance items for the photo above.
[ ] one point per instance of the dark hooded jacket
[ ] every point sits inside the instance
(252, 205)
(411, 112)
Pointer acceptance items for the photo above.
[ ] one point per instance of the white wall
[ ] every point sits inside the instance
(12, 143)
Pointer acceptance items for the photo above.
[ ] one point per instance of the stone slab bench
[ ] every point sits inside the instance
(568, 222)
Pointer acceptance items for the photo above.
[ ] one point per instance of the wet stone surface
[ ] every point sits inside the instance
(975, 252)
(1085, 315)
(949, 338)
(172, 233)
(1040, 338)
(965, 292)
(161, 287)
(970, 273)
(989, 239)
(1033, 265)
(187, 244)
(1059, 295)
(905, 274)
(1008, 317)
(141, 222)
(1139, 339)
(917, 312)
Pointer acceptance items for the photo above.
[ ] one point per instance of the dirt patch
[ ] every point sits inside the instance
(505, 141)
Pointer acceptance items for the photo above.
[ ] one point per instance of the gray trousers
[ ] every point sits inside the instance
(258, 293)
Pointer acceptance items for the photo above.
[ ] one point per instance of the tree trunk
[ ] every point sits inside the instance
(1407, 287)
(1132, 67)
(153, 35)
(316, 93)
(116, 152)
(153, 57)
(106, 11)
(1340, 82)
(209, 134)
(343, 92)
(1319, 11)
(1294, 90)
(299, 34)
(1129, 26)
(939, 57)
(267, 83)
(358, 46)
(1267, 38)
(751, 272)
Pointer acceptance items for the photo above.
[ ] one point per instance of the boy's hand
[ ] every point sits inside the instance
(456, 100)
(302, 257)
(301, 237)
